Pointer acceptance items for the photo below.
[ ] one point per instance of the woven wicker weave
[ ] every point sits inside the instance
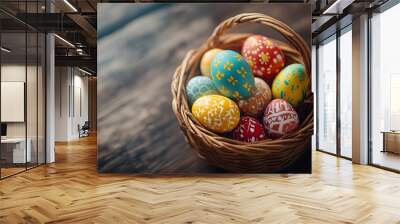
(269, 155)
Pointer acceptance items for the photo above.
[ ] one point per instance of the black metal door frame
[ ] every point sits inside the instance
(44, 78)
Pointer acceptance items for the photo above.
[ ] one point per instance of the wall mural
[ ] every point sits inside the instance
(204, 88)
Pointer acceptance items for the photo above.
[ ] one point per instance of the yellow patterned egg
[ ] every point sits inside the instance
(291, 84)
(217, 113)
(205, 63)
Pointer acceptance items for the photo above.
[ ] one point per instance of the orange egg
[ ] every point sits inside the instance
(205, 63)
(255, 105)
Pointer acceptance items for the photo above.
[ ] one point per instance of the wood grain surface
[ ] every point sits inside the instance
(138, 50)
(71, 191)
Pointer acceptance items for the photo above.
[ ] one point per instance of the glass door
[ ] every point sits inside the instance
(14, 153)
(32, 98)
(345, 59)
(22, 101)
(385, 90)
(326, 96)
(334, 94)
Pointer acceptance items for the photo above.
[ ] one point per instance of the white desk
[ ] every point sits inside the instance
(391, 141)
(18, 144)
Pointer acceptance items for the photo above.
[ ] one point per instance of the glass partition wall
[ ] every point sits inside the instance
(345, 93)
(13, 110)
(385, 89)
(334, 93)
(22, 101)
(326, 59)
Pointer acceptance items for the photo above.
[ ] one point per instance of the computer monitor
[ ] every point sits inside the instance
(3, 129)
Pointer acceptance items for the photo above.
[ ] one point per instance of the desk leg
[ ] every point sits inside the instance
(384, 142)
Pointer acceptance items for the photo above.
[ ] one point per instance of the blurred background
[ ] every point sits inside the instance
(139, 48)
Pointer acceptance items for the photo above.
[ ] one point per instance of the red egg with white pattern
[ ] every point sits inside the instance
(265, 58)
(280, 118)
(249, 130)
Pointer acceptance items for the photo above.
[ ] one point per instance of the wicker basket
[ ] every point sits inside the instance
(270, 155)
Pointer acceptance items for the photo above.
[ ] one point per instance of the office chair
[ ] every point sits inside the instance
(84, 130)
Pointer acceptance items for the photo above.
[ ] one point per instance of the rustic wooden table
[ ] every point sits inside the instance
(139, 47)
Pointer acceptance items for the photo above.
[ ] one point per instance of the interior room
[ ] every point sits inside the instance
(333, 53)
(51, 124)
(22, 102)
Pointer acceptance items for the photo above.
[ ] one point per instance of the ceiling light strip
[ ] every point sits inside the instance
(70, 5)
(5, 50)
(84, 71)
(64, 40)
(337, 7)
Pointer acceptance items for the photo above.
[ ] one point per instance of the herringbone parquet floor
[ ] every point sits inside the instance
(71, 191)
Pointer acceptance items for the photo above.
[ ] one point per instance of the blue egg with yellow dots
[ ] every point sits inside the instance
(231, 75)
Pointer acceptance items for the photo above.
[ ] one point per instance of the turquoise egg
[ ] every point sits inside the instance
(200, 86)
(232, 75)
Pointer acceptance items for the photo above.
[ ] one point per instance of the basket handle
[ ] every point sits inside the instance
(291, 36)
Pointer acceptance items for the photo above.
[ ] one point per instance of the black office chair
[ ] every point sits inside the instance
(84, 130)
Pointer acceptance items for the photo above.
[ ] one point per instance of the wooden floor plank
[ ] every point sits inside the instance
(71, 191)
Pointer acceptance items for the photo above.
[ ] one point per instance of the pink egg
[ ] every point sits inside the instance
(249, 130)
(280, 118)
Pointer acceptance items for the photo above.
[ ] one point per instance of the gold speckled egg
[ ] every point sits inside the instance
(217, 113)
(205, 63)
(255, 105)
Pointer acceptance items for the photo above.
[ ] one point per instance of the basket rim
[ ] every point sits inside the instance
(216, 148)
(228, 141)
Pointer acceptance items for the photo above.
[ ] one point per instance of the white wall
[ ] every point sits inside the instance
(62, 81)
(33, 127)
(70, 83)
(12, 73)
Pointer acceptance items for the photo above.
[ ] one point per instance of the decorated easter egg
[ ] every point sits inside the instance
(205, 62)
(231, 75)
(255, 104)
(266, 59)
(217, 113)
(249, 130)
(200, 86)
(291, 84)
(280, 118)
